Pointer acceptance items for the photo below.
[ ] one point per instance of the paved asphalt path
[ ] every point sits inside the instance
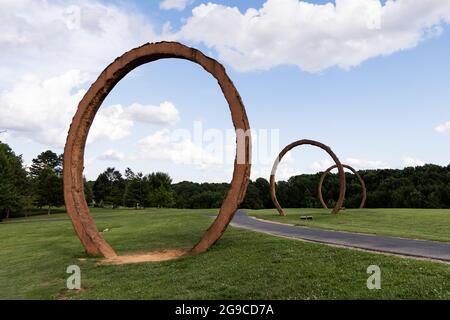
(405, 247)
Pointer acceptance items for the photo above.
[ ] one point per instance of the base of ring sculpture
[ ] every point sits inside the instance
(361, 181)
(340, 201)
(76, 205)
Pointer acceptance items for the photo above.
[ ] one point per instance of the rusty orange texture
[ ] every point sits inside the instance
(361, 181)
(328, 150)
(76, 204)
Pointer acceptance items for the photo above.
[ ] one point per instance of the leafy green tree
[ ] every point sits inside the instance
(263, 187)
(46, 173)
(47, 160)
(129, 174)
(10, 200)
(184, 191)
(88, 193)
(136, 190)
(109, 188)
(133, 197)
(49, 189)
(159, 179)
(13, 182)
(252, 198)
(207, 200)
(199, 195)
(161, 198)
(159, 190)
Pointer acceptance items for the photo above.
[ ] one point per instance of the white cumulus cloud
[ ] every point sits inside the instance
(164, 114)
(114, 155)
(48, 38)
(50, 52)
(41, 109)
(443, 128)
(175, 4)
(179, 149)
(314, 37)
(110, 123)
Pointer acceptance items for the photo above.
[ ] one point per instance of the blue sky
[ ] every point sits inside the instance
(376, 97)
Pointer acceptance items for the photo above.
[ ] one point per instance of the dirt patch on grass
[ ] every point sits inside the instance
(154, 256)
(68, 294)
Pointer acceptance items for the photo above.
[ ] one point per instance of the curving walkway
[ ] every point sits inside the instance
(398, 246)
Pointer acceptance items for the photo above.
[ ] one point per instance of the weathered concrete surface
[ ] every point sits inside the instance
(361, 181)
(327, 149)
(77, 207)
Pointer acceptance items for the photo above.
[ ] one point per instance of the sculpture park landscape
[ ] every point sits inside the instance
(156, 151)
(76, 204)
(77, 207)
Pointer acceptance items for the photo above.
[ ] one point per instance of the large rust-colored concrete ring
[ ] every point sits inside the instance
(361, 181)
(316, 144)
(76, 205)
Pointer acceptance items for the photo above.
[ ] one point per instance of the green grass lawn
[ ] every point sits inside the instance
(35, 253)
(429, 224)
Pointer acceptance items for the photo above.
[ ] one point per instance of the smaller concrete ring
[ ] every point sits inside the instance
(361, 181)
(340, 201)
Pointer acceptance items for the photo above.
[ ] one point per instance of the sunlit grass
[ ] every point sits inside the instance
(34, 256)
(430, 224)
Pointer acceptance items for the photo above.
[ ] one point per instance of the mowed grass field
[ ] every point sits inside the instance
(35, 252)
(428, 224)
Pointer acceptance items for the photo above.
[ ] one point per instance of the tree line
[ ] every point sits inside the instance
(40, 186)
(425, 186)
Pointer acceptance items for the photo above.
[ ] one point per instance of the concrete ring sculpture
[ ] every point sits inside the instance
(76, 205)
(361, 181)
(340, 201)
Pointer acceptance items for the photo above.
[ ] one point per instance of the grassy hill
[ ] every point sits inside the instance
(36, 251)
